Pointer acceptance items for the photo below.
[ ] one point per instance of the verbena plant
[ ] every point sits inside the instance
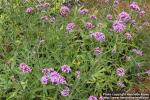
(63, 51)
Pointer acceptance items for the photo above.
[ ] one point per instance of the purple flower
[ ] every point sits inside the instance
(89, 25)
(110, 30)
(118, 26)
(93, 17)
(116, 3)
(99, 36)
(142, 13)
(98, 51)
(53, 76)
(65, 68)
(84, 11)
(44, 79)
(29, 10)
(109, 17)
(139, 52)
(124, 16)
(25, 68)
(128, 36)
(148, 72)
(70, 27)
(78, 74)
(134, 6)
(64, 10)
(47, 71)
(101, 98)
(120, 84)
(92, 98)
(120, 71)
(45, 18)
(56, 78)
(146, 23)
(65, 92)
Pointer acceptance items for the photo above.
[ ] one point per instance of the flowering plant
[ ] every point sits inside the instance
(68, 52)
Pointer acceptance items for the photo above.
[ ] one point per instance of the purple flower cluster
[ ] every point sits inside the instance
(92, 98)
(64, 10)
(116, 3)
(78, 74)
(95, 98)
(45, 18)
(56, 78)
(84, 11)
(118, 26)
(148, 72)
(65, 92)
(99, 36)
(53, 76)
(139, 52)
(93, 17)
(146, 23)
(44, 79)
(25, 68)
(65, 68)
(29, 10)
(135, 6)
(109, 17)
(101, 98)
(89, 25)
(128, 36)
(70, 27)
(47, 71)
(124, 17)
(142, 13)
(98, 51)
(49, 74)
(120, 71)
